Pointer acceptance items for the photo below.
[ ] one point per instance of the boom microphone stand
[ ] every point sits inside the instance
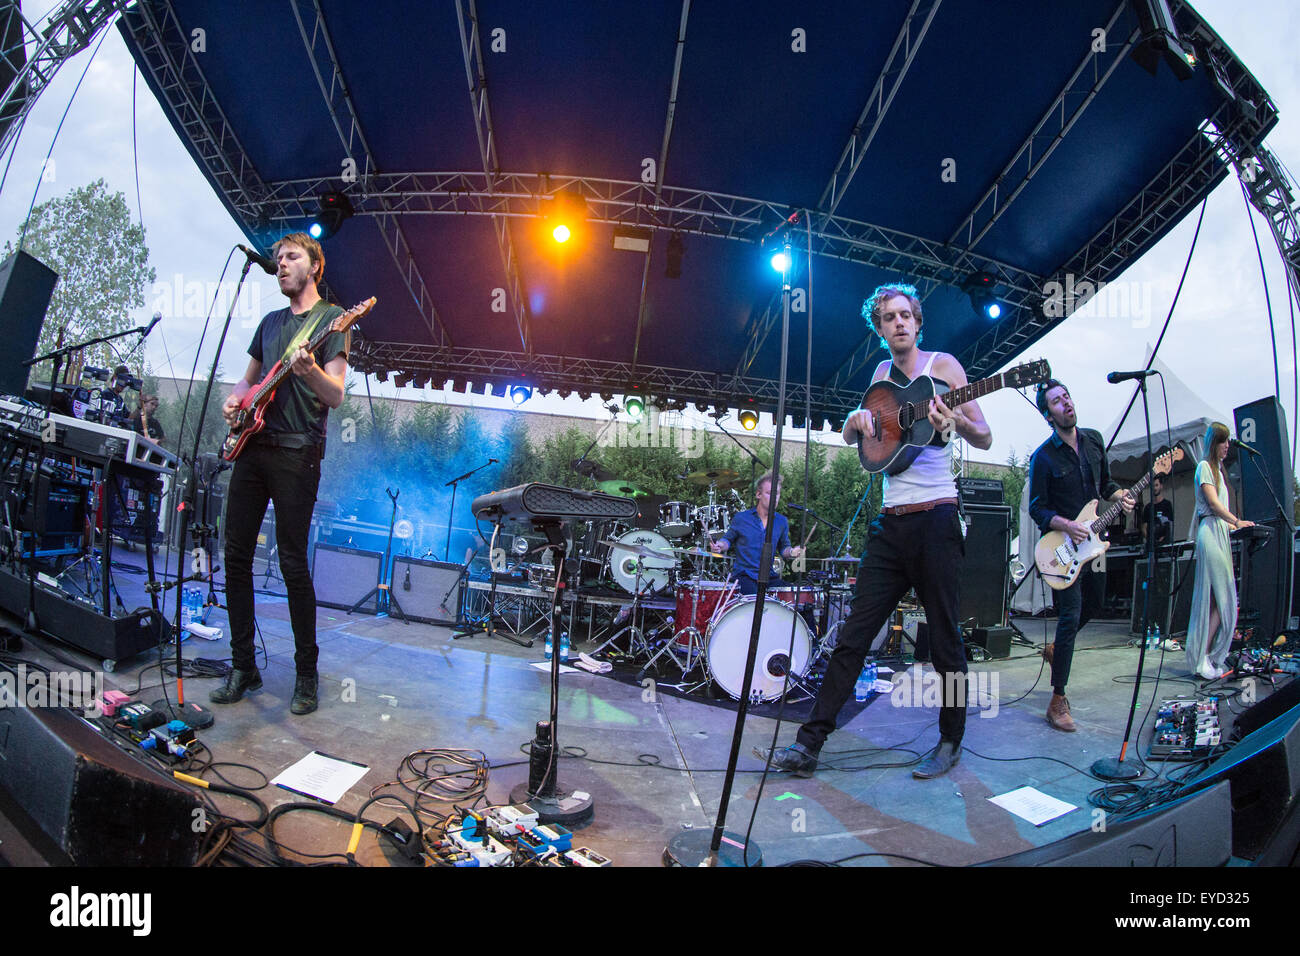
(451, 509)
(1112, 768)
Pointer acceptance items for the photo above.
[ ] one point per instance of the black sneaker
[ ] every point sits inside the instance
(940, 760)
(795, 759)
(304, 695)
(238, 683)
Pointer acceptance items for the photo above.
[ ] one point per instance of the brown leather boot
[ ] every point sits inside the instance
(1048, 651)
(1058, 714)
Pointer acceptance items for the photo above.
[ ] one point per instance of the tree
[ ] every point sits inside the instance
(87, 237)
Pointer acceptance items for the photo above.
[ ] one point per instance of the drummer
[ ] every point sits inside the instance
(746, 536)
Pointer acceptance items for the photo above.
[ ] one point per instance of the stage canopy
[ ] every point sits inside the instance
(922, 141)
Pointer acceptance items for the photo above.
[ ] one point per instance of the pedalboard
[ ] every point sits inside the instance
(1186, 729)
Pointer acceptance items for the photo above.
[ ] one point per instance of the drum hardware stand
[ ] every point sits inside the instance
(385, 600)
(486, 623)
(637, 644)
(451, 508)
(542, 791)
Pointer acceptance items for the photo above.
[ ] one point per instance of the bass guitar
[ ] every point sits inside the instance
(902, 414)
(1060, 559)
(252, 410)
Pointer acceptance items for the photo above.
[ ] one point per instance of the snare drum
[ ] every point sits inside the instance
(728, 647)
(697, 604)
(675, 519)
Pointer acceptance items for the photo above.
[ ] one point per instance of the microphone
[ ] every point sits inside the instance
(491, 460)
(1236, 443)
(267, 265)
(157, 317)
(790, 220)
(1116, 377)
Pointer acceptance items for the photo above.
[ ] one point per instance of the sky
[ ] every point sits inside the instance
(1218, 341)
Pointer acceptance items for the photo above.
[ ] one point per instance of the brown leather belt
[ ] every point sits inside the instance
(919, 506)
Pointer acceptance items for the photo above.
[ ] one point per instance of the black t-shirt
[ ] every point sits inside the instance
(155, 430)
(1165, 509)
(296, 410)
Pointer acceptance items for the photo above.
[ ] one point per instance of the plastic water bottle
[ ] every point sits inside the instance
(564, 646)
(862, 689)
(1155, 639)
(549, 646)
(187, 606)
(871, 673)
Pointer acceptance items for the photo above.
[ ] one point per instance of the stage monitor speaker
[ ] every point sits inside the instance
(1168, 575)
(83, 800)
(1264, 770)
(428, 591)
(26, 285)
(342, 576)
(986, 569)
(1267, 475)
(1193, 831)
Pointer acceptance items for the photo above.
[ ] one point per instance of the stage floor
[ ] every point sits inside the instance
(388, 689)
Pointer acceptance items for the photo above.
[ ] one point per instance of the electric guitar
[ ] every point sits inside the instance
(1060, 560)
(250, 418)
(902, 414)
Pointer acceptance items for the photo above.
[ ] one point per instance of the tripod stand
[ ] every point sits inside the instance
(385, 600)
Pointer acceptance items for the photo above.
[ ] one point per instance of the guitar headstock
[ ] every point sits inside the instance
(1165, 463)
(352, 315)
(1031, 373)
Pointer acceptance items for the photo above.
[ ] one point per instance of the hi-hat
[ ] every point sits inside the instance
(618, 486)
(713, 477)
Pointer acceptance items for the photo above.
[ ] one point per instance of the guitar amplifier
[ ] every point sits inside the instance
(343, 576)
(428, 591)
(980, 491)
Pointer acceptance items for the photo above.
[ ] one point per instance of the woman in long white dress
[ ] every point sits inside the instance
(1214, 597)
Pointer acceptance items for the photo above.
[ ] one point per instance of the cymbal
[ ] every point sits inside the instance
(846, 559)
(592, 469)
(697, 553)
(711, 477)
(617, 486)
(640, 550)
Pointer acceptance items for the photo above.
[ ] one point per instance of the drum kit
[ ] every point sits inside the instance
(707, 633)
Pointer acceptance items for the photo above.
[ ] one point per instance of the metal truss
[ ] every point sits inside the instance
(679, 209)
(65, 32)
(498, 367)
(475, 76)
(892, 74)
(329, 77)
(1083, 86)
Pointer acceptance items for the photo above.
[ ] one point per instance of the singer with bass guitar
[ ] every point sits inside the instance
(915, 541)
(281, 463)
(1068, 471)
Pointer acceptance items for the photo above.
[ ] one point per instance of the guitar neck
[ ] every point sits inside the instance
(958, 396)
(1111, 513)
(272, 381)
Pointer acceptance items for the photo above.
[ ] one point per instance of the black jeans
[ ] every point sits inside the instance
(1075, 606)
(288, 477)
(923, 550)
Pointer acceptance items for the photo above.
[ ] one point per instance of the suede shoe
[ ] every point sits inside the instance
(238, 683)
(1058, 714)
(939, 761)
(304, 695)
(795, 759)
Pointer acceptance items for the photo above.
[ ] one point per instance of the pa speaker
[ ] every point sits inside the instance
(984, 574)
(26, 284)
(343, 576)
(427, 591)
(1266, 475)
(80, 799)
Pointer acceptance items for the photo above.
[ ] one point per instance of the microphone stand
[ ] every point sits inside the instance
(451, 509)
(690, 848)
(1111, 768)
(194, 715)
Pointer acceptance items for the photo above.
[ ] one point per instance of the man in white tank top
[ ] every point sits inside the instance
(915, 542)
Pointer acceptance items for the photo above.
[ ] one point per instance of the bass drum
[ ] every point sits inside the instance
(728, 647)
(623, 564)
